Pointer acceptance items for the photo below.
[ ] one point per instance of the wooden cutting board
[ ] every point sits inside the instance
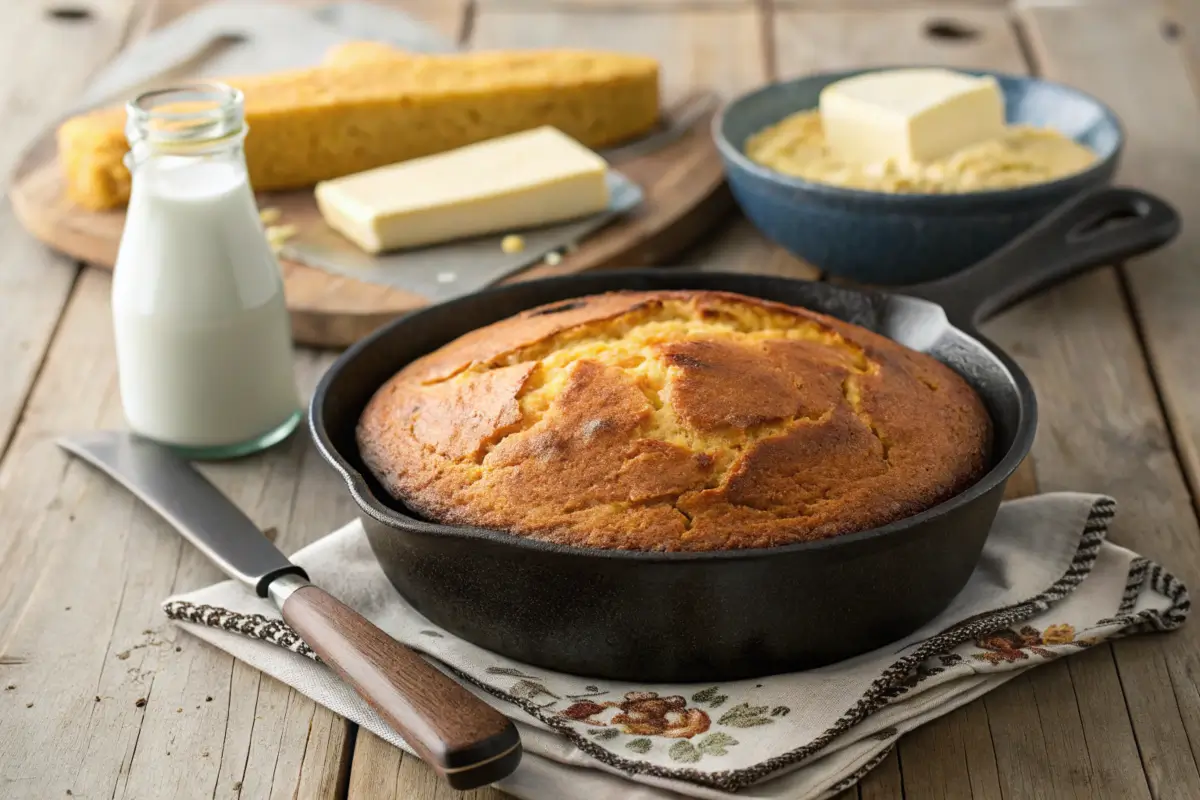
(684, 196)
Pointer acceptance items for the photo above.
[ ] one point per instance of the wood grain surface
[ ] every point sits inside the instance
(83, 567)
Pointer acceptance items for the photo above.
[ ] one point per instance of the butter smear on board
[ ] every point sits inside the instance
(523, 180)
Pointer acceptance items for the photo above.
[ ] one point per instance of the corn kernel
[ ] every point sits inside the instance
(278, 234)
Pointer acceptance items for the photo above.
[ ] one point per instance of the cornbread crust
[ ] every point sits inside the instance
(365, 109)
(674, 421)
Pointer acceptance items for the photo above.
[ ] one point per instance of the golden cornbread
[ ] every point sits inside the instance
(365, 112)
(674, 421)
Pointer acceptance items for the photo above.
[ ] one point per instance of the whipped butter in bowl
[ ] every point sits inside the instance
(203, 337)
(930, 131)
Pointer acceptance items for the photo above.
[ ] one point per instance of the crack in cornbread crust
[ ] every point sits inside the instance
(674, 421)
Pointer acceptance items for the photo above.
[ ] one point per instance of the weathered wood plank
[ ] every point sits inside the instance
(1181, 24)
(35, 89)
(1093, 676)
(635, 6)
(1100, 430)
(1031, 756)
(449, 17)
(34, 283)
(1151, 90)
(175, 717)
(949, 758)
(882, 5)
(375, 768)
(611, 6)
(807, 41)
(417, 781)
(739, 247)
(1149, 86)
(882, 783)
(719, 48)
(381, 770)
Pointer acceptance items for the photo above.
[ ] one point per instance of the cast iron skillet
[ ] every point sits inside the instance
(718, 616)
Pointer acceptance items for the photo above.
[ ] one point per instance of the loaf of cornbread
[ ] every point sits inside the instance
(674, 421)
(315, 124)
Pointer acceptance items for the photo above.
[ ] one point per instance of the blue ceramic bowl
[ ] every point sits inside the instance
(894, 239)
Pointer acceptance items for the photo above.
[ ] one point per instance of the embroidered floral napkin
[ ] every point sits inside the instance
(1047, 586)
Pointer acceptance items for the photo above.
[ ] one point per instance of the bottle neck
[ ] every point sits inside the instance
(227, 150)
(203, 121)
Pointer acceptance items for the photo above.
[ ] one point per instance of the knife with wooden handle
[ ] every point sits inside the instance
(467, 741)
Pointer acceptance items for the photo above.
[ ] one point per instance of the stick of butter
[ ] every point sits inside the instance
(522, 180)
(909, 115)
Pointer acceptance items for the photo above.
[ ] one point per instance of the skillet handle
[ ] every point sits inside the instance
(1092, 229)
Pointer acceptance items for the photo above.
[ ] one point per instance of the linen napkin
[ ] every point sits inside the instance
(1048, 585)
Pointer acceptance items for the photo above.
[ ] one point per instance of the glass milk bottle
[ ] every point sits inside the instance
(204, 347)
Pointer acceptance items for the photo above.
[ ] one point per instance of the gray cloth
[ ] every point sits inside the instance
(1048, 585)
(246, 37)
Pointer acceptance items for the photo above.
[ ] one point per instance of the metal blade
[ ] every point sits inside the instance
(185, 498)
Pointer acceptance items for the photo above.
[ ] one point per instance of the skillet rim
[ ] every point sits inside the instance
(1000, 472)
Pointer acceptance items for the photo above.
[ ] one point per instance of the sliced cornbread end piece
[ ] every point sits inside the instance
(522, 180)
(910, 115)
(91, 150)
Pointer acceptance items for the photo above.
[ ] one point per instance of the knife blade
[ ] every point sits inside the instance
(186, 499)
(467, 741)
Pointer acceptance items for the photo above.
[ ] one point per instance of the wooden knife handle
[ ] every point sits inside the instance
(467, 741)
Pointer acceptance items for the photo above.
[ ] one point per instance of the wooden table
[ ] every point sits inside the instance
(100, 697)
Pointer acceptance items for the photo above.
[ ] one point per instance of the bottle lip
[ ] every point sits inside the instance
(193, 113)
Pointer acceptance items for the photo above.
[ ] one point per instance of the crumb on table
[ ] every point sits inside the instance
(278, 234)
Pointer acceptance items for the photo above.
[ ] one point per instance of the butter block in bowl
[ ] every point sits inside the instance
(910, 115)
(523, 180)
(884, 221)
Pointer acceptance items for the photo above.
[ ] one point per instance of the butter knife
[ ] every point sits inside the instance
(467, 741)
